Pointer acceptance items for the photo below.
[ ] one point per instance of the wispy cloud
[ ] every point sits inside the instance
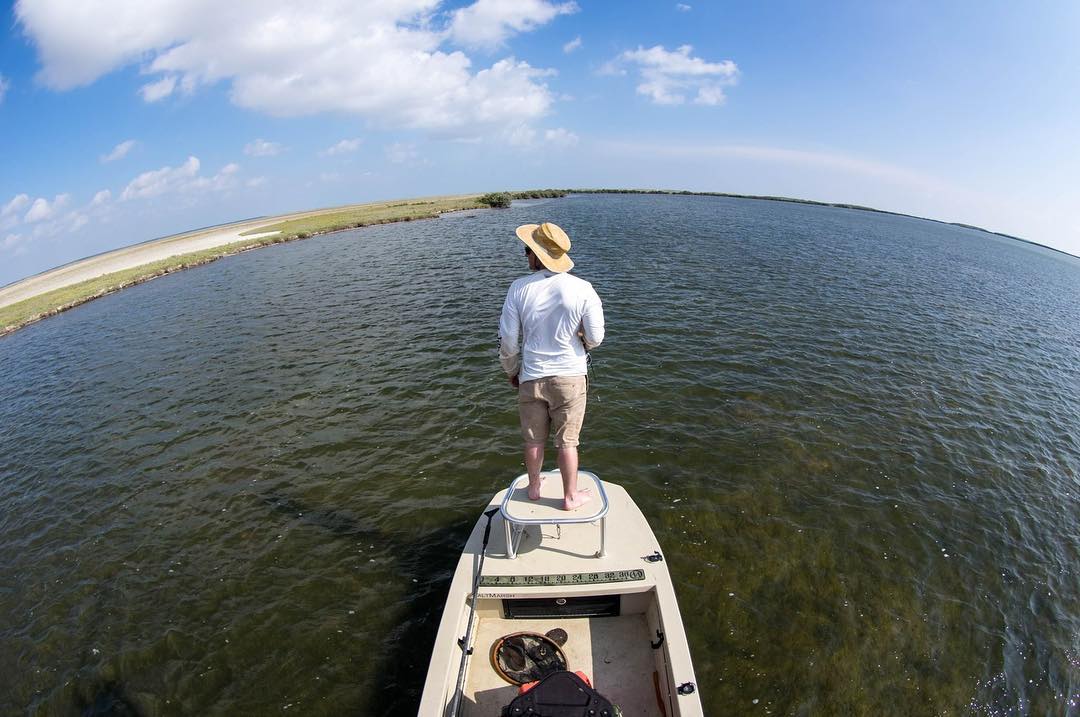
(5, 83)
(262, 148)
(489, 23)
(159, 90)
(343, 147)
(527, 138)
(160, 181)
(49, 219)
(402, 153)
(666, 77)
(572, 45)
(119, 151)
(16, 204)
(560, 137)
(44, 218)
(11, 211)
(182, 178)
(14, 243)
(43, 209)
(683, 7)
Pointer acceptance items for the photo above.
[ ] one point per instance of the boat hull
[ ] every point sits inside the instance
(624, 630)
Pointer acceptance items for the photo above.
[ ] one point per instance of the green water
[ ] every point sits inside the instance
(241, 489)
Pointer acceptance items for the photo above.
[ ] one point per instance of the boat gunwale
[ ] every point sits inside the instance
(678, 665)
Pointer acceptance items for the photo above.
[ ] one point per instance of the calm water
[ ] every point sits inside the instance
(241, 489)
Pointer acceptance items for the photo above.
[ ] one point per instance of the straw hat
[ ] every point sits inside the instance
(549, 243)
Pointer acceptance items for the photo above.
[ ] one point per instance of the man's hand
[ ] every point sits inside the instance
(514, 381)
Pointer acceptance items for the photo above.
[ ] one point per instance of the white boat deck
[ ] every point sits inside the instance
(613, 651)
(555, 562)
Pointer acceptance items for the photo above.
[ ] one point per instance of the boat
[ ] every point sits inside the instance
(554, 612)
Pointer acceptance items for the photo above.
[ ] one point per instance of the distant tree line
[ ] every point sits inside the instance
(501, 200)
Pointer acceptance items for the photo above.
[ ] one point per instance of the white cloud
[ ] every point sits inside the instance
(68, 222)
(15, 243)
(572, 45)
(184, 178)
(382, 60)
(154, 91)
(224, 179)
(683, 7)
(43, 209)
(78, 221)
(342, 147)
(160, 181)
(9, 213)
(119, 151)
(55, 218)
(528, 138)
(560, 137)
(666, 76)
(13, 240)
(612, 68)
(262, 148)
(489, 23)
(520, 136)
(255, 182)
(50, 219)
(330, 176)
(402, 153)
(5, 83)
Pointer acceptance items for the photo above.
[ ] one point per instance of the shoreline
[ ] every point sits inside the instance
(817, 203)
(56, 290)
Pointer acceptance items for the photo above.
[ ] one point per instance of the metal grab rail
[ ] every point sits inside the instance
(510, 521)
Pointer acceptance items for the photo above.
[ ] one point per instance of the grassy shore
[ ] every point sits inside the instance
(300, 226)
(35, 308)
(368, 214)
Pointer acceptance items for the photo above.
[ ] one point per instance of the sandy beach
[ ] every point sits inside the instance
(64, 287)
(130, 257)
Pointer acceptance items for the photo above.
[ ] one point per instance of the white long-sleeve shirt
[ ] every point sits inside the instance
(543, 312)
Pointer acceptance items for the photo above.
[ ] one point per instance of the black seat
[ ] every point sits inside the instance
(561, 694)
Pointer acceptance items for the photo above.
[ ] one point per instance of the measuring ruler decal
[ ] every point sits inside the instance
(608, 576)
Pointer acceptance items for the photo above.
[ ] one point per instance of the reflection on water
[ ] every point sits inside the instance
(242, 488)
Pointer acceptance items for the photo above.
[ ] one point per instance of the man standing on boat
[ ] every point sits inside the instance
(549, 321)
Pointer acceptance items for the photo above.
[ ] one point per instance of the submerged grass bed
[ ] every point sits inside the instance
(22, 313)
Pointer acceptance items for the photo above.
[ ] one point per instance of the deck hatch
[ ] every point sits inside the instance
(578, 606)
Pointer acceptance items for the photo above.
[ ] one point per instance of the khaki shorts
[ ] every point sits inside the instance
(554, 404)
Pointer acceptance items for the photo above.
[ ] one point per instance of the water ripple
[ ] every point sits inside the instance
(243, 487)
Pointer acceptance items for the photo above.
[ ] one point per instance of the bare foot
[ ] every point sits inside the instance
(534, 493)
(583, 497)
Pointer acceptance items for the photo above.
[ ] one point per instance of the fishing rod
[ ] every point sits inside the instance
(466, 641)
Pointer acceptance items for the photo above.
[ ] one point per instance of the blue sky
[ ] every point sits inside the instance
(123, 120)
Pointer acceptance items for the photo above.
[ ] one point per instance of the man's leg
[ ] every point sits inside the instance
(535, 422)
(567, 396)
(568, 465)
(534, 461)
